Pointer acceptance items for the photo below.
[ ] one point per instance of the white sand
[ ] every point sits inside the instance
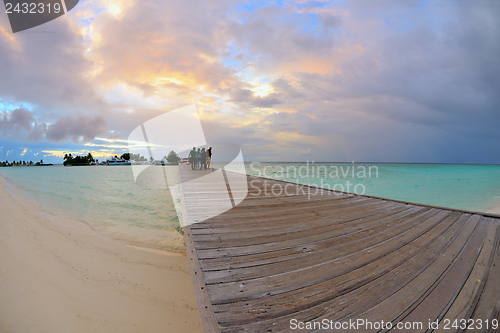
(57, 275)
(495, 211)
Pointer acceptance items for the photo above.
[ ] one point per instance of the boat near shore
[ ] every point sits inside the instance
(118, 161)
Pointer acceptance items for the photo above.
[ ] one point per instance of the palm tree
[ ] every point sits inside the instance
(172, 157)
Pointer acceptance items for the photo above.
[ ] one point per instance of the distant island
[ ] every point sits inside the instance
(23, 163)
(79, 160)
(71, 160)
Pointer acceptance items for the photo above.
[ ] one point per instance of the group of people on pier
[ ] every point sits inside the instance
(200, 159)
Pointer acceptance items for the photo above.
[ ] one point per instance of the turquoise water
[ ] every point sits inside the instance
(107, 198)
(469, 187)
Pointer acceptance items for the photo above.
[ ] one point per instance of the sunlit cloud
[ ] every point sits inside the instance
(163, 80)
(117, 8)
(95, 153)
(263, 90)
(9, 36)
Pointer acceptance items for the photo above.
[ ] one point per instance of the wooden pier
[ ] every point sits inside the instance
(305, 254)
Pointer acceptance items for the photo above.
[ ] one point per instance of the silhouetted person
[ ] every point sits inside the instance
(192, 158)
(209, 157)
(203, 165)
(198, 159)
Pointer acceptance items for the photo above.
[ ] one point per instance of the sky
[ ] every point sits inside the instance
(364, 81)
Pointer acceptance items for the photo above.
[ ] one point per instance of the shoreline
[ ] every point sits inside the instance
(171, 243)
(57, 276)
(495, 210)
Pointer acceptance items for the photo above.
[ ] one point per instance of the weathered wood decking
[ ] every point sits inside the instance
(311, 255)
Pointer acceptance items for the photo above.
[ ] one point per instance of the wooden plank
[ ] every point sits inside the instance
(305, 246)
(264, 236)
(296, 222)
(260, 217)
(287, 279)
(486, 305)
(367, 296)
(209, 323)
(465, 300)
(292, 246)
(263, 216)
(440, 297)
(313, 254)
(396, 307)
(337, 221)
(345, 282)
(271, 247)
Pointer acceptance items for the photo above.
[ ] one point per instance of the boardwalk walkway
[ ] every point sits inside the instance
(279, 259)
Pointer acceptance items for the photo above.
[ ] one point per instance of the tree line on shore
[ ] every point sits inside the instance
(78, 160)
(69, 159)
(20, 163)
(88, 159)
(172, 157)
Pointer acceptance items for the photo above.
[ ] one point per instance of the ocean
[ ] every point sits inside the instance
(108, 199)
(468, 187)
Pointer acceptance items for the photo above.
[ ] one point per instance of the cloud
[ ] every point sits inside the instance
(411, 90)
(175, 48)
(371, 80)
(306, 152)
(49, 70)
(21, 124)
(113, 137)
(18, 119)
(273, 35)
(78, 129)
(246, 96)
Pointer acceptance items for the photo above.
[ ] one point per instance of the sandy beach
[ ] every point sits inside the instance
(57, 275)
(495, 210)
